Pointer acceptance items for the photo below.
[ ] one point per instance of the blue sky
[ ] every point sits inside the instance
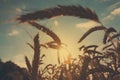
(14, 36)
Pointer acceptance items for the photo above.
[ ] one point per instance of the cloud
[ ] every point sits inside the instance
(112, 15)
(113, 6)
(13, 33)
(13, 12)
(55, 23)
(87, 24)
(109, 17)
(17, 11)
(116, 12)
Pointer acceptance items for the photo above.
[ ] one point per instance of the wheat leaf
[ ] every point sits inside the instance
(53, 45)
(90, 31)
(82, 47)
(77, 11)
(42, 56)
(107, 33)
(118, 46)
(58, 57)
(92, 51)
(91, 46)
(110, 54)
(114, 36)
(28, 64)
(107, 46)
(45, 68)
(47, 31)
(43, 45)
(30, 45)
(98, 57)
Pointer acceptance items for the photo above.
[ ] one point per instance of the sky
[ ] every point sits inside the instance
(14, 36)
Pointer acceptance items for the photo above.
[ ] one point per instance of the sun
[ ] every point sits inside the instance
(65, 55)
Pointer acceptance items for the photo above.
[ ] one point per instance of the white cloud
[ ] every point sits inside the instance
(55, 23)
(114, 6)
(112, 15)
(17, 10)
(116, 12)
(13, 33)
(87, 24)
(109, 17)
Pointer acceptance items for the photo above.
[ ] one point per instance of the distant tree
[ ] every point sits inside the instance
(10, 71)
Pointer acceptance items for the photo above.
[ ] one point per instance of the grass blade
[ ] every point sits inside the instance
(28, 64)
(90, 31)
(107, 33)
(114, 36)
(47, 31)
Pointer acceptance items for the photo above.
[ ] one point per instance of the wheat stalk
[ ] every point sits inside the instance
(36, 58)
(77, 11)
(96, 28)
